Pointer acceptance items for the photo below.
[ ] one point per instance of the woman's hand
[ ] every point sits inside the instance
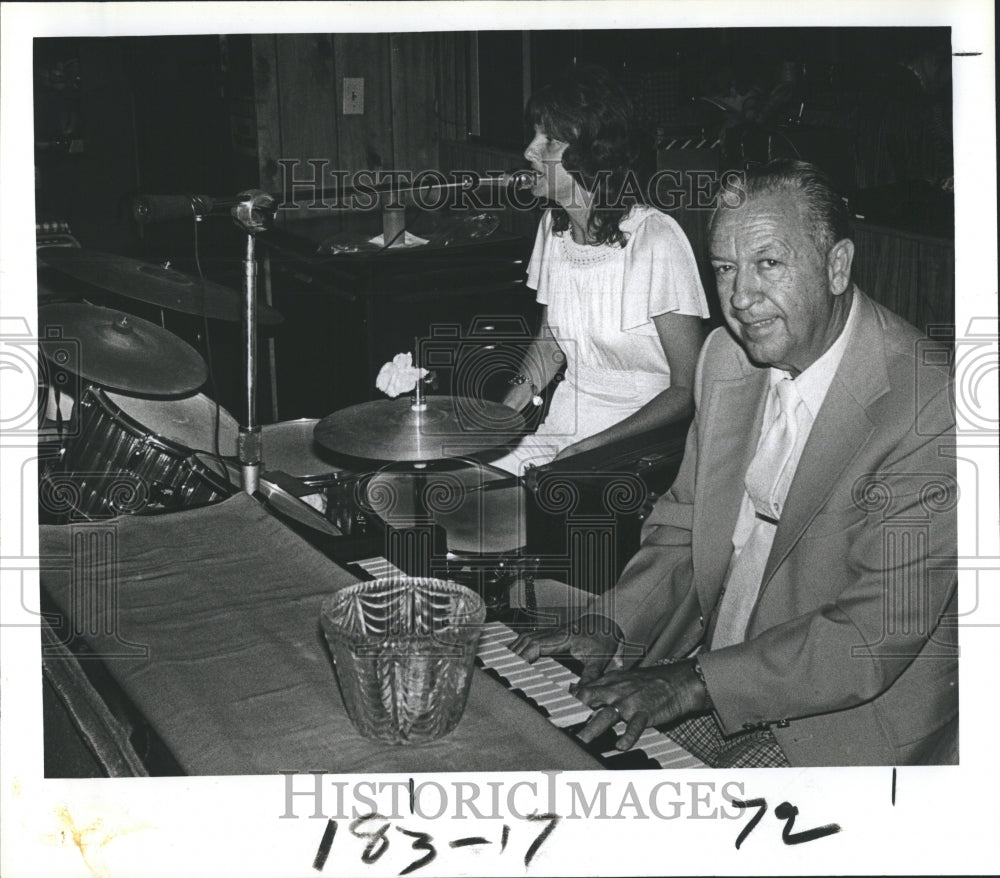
(588, 444)
(537, 368)
(519, 396)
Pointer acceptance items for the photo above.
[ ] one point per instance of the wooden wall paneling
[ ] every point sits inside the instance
(309, 117)
(365, 141)
(462, 97)
(414, 125)
(913, 275)
(452, 87)
(236, 63)
(268, 109)
(86, 188)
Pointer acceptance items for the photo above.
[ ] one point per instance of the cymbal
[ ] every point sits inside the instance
(391, 429)
(118, 351)
(152, 284)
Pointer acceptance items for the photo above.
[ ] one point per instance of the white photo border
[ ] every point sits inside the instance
(942, 820)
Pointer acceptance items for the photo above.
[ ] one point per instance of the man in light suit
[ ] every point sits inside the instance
(793, 601)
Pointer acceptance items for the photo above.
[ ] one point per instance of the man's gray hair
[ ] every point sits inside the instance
(829, 219)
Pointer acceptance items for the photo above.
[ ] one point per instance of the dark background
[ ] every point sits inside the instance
(214, 114)
(184, 114)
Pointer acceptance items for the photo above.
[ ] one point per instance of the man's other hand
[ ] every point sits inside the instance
(590, 641)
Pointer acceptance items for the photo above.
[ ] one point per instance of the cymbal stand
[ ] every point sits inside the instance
(254, 213)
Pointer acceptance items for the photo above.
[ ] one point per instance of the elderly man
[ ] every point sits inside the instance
(793, 600)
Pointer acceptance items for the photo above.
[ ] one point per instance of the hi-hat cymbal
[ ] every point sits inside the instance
(393, 429)
(118, 351)
(152, 284)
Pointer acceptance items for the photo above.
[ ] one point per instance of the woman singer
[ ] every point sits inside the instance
(620, 291)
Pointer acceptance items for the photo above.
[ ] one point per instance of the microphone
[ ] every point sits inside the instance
(522, 179)
(513, 180)
(160, 208)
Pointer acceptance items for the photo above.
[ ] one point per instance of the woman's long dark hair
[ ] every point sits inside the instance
(591, 112)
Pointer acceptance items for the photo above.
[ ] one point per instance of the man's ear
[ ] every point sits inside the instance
(838, 266)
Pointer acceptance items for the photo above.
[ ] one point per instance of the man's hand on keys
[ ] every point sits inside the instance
(640, 697)
(590, 641)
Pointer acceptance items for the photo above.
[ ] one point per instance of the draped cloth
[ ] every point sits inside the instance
(208, 621)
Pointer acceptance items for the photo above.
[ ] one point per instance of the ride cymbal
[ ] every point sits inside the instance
(394, 429)
(153, 284)
(118, 351)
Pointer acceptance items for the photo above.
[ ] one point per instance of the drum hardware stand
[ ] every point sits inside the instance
(254, 214)
(393, 223)
(344, 503)
(492, 576)
(272, 364)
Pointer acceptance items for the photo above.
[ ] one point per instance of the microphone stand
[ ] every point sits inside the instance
(254, 213)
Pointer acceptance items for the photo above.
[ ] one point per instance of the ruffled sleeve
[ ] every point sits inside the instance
(661, 275)
(540, 264)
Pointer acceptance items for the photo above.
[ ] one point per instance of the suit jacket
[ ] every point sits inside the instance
(851, 649)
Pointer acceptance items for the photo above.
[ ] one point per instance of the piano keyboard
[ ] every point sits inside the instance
(379, 567)
(545, 683)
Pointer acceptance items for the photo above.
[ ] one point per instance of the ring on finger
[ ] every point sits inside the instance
(616, 709)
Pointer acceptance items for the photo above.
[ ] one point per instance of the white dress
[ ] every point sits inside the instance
(601, 301)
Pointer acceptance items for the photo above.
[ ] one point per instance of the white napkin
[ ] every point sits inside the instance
(399, 375)
(407, 240)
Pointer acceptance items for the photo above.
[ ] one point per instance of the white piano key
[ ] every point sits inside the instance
(490, 651)
(507, 663)
(561, 700)
(678, 758)
(535, 688)
(564, 721)
(517, 677)
(561, 677)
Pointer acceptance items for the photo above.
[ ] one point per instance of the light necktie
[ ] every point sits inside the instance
(769, 473)
(767, 481)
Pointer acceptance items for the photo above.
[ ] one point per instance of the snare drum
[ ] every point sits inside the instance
(476, 521)
(134, 455)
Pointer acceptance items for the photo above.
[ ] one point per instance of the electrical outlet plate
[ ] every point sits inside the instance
(354, 96)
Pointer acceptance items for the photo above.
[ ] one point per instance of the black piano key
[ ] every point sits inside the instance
(359, 572)
(571, 664)
(628, 760)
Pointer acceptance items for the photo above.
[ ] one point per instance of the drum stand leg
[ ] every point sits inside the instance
(254, 214)
(271, 359)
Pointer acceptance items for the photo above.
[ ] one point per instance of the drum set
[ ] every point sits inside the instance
(130, 433)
